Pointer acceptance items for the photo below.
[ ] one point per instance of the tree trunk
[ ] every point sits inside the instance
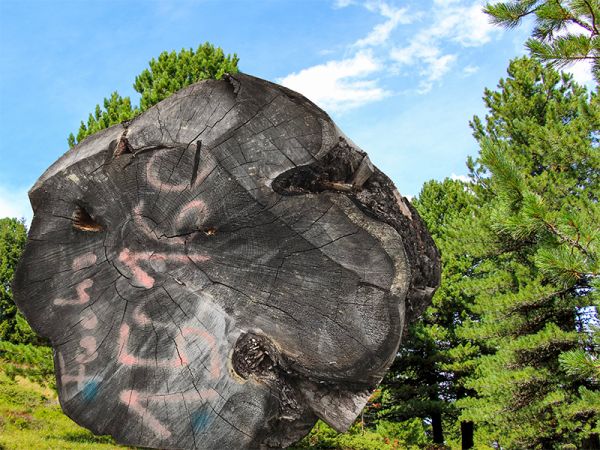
(467, 429)
(437, 428)
(592, 442)
(221, 271)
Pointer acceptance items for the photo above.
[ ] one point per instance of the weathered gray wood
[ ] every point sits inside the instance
(221, 271)
(362, 174)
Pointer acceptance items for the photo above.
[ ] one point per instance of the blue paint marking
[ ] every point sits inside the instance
(201, 419)
(90, 390)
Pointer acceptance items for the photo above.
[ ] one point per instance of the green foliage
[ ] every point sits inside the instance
(428, 374)
(13, 326)
(166, 75)
(30, 416)
(385, 436)
(565, 30)
(580, 364)
(29, 361)
(116, 110)
(174, 71)
(537, 183)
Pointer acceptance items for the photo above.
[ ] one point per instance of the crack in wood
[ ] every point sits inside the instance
(83, 221)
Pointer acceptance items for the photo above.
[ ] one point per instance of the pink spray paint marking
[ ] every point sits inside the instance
(195, 207)
(139, 317)
(143, 224)
(139, 276)
(89, 320)
(64, 378)
(131, 259)
(127, 359)
(141, 221)
(180, 357)
(82, 296)
(89, 346)
(133, 399)
(84, 261)
(215, 361)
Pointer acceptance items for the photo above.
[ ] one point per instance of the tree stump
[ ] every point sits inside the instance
(221, 271)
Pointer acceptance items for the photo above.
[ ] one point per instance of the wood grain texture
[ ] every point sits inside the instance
(221, 271)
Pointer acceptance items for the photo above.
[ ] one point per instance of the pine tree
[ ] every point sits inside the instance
(429, 372)
(536, 235)
(116, 110)
(13, 327)
(166, 75)
(174, 71)
(565, 30)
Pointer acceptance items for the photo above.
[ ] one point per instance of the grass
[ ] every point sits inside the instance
(30, 416)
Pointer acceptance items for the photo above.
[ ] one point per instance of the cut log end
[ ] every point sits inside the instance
(221, 271)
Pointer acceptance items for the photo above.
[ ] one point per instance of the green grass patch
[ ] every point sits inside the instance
(30, 415)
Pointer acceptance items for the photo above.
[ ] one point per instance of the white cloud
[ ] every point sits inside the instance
(470, 70)
(436, 68)
(419, 48)
(465, 25)
(382, 31)
(582, 72)
(453, 23)
(15, 203)
(426, 55)
(352, 81)
(339, 85)
(463, 178)
(440, 66)
(342, 3)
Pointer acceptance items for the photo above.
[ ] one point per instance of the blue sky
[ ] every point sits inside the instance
(402, 79)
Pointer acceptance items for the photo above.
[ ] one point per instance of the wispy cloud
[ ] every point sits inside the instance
(343, 84)
(470, 70)
(339, 85)
(463, 178)
(438, 36)
(454, 24)
(343, 3)
(382, 31)
(425, 55)
(15, 203)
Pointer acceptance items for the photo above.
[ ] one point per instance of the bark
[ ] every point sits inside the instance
(221, 271)
(591, 442)
(467, 430)
(437, 428)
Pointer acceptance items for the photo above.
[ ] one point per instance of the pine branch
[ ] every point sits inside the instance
(508, 15)
(563, 50)
(593, 15)
(571, 18)
(564, 239)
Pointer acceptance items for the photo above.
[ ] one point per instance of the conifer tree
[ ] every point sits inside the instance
(429, 372)
(536, 235)
(565, 30)
(166, 75)
(174, 71)
(13, 326)
(117, 109)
